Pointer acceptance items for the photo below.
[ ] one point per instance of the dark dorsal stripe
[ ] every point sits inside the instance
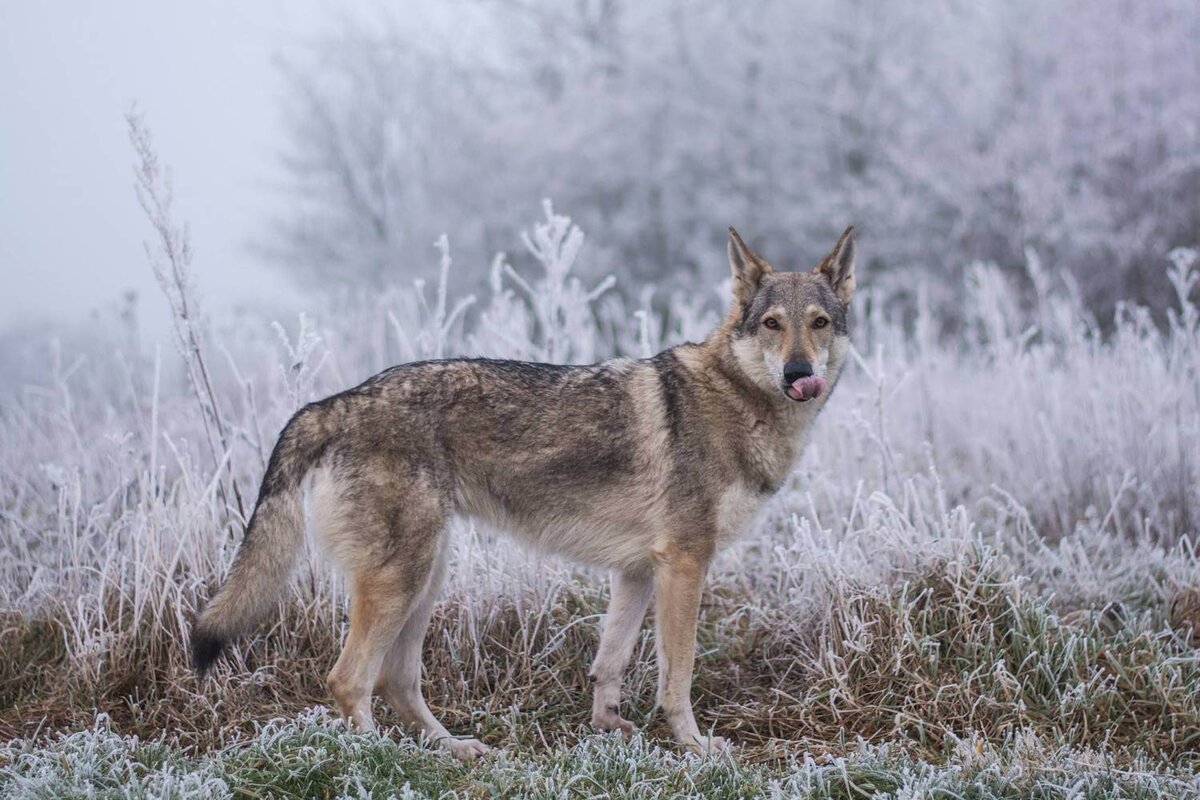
(668, 368)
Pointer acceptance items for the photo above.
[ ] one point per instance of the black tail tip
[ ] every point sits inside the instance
(205, 650)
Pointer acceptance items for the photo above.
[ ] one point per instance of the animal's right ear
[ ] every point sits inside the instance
(748, 268)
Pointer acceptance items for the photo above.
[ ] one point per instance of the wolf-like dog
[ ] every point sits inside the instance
(644, 467)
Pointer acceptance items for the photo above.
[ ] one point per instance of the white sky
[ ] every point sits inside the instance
(203, 74)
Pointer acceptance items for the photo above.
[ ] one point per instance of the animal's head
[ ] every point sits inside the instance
(789, 329)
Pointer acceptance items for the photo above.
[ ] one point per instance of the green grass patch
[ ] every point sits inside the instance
(314, 756)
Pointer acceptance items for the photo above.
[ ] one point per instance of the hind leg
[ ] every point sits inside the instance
(389, 548)
(400, 678)
(381, 599)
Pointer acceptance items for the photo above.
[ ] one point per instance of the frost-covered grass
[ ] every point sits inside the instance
(316, 756)
(979, 579)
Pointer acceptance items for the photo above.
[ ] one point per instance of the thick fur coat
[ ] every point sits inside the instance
(644, 467)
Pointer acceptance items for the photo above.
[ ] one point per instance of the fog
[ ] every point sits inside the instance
(317, 147)
(71, 230)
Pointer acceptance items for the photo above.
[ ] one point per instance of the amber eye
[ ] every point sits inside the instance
(772, 323)
(820, 322)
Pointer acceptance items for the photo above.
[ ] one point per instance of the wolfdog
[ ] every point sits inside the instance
(643, 467)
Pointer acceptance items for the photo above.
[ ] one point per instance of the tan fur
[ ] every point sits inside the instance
(644, 467)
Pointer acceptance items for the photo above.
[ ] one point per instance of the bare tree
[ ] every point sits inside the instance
(950, 132)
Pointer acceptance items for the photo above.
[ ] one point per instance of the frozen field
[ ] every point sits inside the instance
(979, 580)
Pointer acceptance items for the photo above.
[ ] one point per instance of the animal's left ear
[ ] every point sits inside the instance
(838, 266)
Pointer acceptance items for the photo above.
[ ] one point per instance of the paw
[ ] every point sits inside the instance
(710, 746)
(607, 719)
(466, 749)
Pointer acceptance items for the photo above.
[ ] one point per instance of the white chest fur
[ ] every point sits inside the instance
(737, 508)
(773, 453)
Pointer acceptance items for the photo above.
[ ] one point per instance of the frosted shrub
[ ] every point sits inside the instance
(548, 318)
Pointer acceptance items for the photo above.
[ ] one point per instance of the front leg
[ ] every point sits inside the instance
(630, 597)
(678, 583)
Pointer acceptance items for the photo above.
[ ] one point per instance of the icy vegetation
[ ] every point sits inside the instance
(948, 132)
(981, 578)
(316, 756)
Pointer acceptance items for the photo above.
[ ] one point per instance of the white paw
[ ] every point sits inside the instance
(710, 746)
(466, 749)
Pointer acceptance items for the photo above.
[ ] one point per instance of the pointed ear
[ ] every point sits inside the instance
(748, 268)
(838, 266)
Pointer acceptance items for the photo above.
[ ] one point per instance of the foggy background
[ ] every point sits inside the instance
(316, 148)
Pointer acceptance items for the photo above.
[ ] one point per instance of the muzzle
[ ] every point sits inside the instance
(800, 383)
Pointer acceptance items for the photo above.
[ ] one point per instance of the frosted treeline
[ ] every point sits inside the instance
(950, 133)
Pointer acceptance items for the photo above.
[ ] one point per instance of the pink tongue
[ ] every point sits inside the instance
(807, 388)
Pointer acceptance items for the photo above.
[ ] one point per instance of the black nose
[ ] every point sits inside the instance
(795, 370)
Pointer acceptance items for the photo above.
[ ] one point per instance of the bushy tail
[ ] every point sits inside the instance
(268, 552)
